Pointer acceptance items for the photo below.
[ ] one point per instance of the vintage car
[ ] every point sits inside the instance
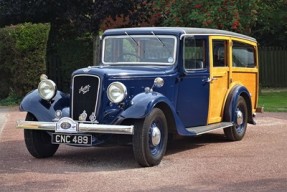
(151, 83)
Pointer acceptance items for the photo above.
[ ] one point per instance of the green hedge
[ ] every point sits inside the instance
(22, 57)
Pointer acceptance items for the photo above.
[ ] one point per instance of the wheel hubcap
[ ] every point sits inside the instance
(155, 136)
(239, 117)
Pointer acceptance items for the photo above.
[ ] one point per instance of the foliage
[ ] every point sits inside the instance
(266, 20)
(273, 100)
(82, 16)
(271, 26)
(6, 58)
(11, 100)
(22, 57)
(70, 20)
(222, 14)
(67, 55)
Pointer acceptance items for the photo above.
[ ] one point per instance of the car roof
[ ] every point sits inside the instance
(176, 31)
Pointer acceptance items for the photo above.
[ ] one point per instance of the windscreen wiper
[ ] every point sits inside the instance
(132, 39)
(161, 42)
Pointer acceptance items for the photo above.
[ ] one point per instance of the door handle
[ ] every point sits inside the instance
(209, 80)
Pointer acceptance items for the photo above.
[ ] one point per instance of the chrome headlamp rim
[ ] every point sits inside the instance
(47, 89)
(118, 88)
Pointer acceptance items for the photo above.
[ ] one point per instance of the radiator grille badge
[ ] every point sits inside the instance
(58, 115)
(84, 89)
(83, 116)
(93, 118)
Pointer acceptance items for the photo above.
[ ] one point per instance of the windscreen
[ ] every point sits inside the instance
(133, 49)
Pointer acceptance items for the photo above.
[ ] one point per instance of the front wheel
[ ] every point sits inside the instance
(237, 132)
(38, 142)
(150, 138)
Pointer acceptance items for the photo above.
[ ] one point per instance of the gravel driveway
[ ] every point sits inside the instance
(207, 163)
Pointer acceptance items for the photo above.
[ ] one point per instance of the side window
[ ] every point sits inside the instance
(243, 55)
(194, 53)
(219, 53)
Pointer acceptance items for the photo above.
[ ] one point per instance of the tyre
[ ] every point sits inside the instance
(150, 138)
(237, 132)
(38, 142)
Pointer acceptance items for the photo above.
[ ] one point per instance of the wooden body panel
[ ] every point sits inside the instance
(223, 79)
(249, 80)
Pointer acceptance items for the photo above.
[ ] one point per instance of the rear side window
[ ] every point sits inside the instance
(220, 48)
(243, 55)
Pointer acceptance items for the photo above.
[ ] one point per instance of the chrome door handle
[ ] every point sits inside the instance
(209, 80)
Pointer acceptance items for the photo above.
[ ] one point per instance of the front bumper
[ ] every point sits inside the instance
(68, 125)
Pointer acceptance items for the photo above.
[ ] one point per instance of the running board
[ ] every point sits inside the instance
(205, 129)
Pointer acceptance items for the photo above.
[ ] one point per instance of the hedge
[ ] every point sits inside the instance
(22, 57)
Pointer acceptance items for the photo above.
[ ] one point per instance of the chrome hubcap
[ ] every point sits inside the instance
(239, 117)
(155, 136)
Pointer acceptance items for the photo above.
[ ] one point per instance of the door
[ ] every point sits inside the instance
(219, 77)
(193, 93)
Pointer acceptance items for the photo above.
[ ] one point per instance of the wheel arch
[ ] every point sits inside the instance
(231, 101)
(168, 115)
(143, 105)
(249, 106)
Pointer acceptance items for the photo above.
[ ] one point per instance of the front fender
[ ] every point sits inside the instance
(44, 110)
(143, 103)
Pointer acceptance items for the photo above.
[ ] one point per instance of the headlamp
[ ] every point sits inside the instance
(47, 89)
(116, 92)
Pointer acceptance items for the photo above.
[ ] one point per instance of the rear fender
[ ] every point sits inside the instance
(231, 102)
(44, 110)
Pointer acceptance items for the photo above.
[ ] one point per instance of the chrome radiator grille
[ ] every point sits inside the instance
(85, 94)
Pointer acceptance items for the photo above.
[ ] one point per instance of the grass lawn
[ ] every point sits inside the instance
(273, 100)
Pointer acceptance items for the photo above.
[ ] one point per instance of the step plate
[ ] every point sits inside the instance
(205, 129)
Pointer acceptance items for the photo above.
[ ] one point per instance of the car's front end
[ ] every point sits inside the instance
(99, 96)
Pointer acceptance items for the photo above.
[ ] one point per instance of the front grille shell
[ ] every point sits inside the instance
(85, 95)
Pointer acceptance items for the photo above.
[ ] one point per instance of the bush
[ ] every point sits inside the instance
(6, 61)
(22, 57)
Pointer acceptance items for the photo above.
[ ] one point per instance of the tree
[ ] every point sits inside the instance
(74, 24)
(81, 15)
(271, 26)
(221, 14)
(266, 20)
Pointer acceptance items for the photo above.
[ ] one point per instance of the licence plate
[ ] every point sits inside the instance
(73, 139)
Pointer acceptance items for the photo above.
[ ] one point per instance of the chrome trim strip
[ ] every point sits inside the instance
(72, 97)
(83, 128)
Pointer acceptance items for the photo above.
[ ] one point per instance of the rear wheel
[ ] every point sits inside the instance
(150, 138)
(237, 132)
(37, 142)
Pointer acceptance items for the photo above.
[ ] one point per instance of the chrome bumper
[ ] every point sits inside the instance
(75, 127)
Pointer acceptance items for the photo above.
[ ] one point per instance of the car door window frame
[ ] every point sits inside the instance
(198, 63)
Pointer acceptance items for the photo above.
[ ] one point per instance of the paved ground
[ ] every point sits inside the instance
(3, 117)
(207, 163)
